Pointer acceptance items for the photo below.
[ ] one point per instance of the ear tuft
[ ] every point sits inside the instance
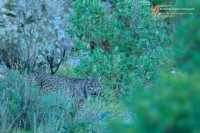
(89, 78)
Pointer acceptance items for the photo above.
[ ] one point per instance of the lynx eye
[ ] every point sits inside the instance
(91, 88)
(93, 91)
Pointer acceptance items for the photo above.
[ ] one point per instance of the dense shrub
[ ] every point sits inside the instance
(186, 40)
(173, 104)
(119, 39)
(25, 108)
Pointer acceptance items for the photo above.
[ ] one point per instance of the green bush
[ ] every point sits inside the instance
(158, 2)
(120, 40)
(173, 104)
(187, 38)
(95, 115)
(23, 107)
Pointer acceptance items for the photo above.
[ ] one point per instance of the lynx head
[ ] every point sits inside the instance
(93, 86)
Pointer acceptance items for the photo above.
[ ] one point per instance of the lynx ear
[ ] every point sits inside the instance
(86, 73)
(88, 78)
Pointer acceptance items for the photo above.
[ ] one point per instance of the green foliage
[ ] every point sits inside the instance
(22, 108)
(120, 40)
(158, 2)
(173, 104)
(187, 38)
(94, 116)
(162, 2)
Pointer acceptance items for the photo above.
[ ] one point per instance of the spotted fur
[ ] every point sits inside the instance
(76, 88)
